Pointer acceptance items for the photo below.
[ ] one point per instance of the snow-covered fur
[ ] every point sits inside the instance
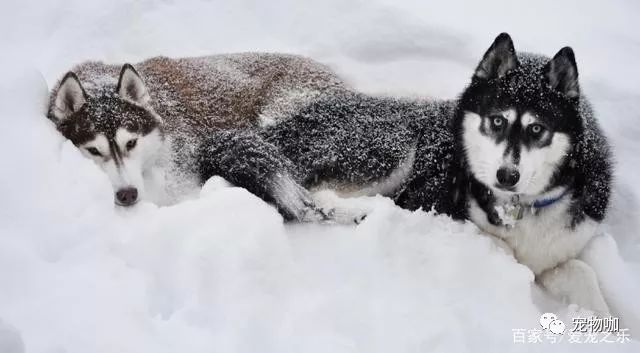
(520, 137)
(142, 126)
(350, 142)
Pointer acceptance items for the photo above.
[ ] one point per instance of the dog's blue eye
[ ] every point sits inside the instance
(498, 122)
(536, 130)
(94, 151)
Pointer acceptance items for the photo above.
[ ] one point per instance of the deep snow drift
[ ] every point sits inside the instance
(222, 273)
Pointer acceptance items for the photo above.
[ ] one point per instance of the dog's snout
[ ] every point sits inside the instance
(508, 176)
(127, 196)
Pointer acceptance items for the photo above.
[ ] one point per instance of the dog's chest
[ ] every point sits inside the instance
(167, 181)
(543, 240)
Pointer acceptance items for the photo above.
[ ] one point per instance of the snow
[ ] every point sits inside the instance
(221, 272)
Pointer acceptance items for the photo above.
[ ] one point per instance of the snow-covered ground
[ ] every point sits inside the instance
(222, 273)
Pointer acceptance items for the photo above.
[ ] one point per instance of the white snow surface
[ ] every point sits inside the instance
(222, 273)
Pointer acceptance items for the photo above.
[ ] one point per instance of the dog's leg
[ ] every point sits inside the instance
(298, 202)
(244, 159)
(576, 282)
(619, 287)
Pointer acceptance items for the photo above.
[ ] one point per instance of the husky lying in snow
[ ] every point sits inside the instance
(519, 153)
(143, 127)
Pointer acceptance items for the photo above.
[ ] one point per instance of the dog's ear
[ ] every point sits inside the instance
(70, 97)
(499, 59)
(131, 87)
(561, 73)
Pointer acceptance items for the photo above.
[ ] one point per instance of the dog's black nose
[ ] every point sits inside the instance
(127, 196)
(508, 177)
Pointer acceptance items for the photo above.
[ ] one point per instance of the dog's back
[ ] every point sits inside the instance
(221, 91)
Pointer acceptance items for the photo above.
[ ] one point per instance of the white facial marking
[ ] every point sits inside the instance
(536, 165)
(123, 136)
(483, 154)
(546, 319)
(100, 143)
(528, 119)
(129, 172)
(510, 115)
(133, 163)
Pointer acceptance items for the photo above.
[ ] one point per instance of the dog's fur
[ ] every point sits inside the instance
(142, 126)
(522, 115)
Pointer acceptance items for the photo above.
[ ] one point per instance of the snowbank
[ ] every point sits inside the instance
(222, 273)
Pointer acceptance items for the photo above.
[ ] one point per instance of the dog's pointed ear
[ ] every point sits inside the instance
(70, 97)
(499, 59)
(131, 87)
(561, 73)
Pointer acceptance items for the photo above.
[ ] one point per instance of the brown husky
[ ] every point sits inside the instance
(142, 126)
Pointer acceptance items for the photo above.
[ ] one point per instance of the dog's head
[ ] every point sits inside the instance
(519, 118)
(116, 128)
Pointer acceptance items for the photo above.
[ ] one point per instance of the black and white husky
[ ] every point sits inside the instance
(143, 127)
(519, 153)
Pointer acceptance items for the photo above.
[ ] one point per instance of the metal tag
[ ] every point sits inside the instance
(516, 211)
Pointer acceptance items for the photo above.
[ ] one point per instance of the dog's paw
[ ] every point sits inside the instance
(345, 215)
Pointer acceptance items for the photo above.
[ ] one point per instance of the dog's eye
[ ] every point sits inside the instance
(131, 144)
(498, 122)
(94, 151)
(536, 130)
